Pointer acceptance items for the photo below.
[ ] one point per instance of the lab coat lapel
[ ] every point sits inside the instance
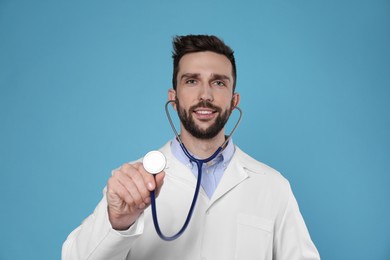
(175, 168)
(234, 175)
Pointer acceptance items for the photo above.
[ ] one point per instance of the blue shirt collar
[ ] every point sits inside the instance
(224, 157)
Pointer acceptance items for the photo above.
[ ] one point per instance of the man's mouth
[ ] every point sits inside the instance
(204, 113)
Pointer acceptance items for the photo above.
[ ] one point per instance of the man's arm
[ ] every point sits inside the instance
(117, 221)
(292, 239)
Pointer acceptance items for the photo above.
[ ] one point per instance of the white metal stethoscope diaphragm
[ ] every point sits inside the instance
(154, 162)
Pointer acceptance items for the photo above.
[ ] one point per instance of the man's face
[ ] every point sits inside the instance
(204, 94)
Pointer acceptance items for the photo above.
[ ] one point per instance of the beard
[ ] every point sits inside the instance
(188, 122)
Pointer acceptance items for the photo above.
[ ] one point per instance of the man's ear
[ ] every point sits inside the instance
(235, 100)
(172, 96)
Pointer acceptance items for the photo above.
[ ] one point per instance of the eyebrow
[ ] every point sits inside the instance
(213, 76)
(190, 75)
(220, 76)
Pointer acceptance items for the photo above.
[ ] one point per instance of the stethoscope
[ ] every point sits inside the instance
(154, 162)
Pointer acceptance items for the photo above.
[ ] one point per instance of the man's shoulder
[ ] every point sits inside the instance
(255, 167)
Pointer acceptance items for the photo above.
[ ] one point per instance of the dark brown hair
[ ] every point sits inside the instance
(183, 45)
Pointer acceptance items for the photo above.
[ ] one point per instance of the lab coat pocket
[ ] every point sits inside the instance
(254, 238)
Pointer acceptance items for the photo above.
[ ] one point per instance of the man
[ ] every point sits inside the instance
(245, 210)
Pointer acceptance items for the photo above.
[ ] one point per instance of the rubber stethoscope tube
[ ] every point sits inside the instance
(199, 163)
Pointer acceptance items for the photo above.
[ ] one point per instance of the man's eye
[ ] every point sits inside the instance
(190, 81)
(219, 83)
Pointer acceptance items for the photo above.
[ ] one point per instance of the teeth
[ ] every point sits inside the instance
(203, 112)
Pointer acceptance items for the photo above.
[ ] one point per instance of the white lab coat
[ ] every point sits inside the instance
(252, 215)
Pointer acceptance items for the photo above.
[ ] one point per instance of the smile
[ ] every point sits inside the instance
(204, 112)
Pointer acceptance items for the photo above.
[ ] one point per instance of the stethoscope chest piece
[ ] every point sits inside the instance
(154, 162)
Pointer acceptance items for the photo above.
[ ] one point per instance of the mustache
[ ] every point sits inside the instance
(203, 103)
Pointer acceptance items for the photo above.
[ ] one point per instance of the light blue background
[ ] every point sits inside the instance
(83, 84)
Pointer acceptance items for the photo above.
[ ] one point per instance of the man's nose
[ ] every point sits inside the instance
(206, 93)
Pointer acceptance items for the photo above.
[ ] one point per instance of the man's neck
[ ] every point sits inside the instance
(202, 148)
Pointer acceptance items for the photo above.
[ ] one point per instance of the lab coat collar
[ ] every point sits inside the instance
(239, 169)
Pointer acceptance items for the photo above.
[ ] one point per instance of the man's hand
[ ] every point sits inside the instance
(128, 193)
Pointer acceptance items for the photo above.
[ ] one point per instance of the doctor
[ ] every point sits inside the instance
(245, 210)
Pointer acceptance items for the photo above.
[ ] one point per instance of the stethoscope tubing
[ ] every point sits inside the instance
(199, 164)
